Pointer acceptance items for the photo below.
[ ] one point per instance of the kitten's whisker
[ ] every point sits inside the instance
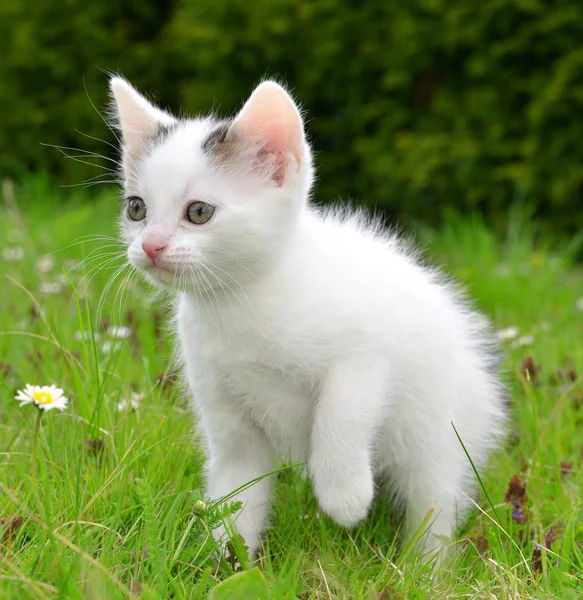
(91, 179)
(180, 281)
(85, 162)
(94, 181)
(100, 115)
(93, 260)
(232, 256)
(226, 273)
(226, 290)
(206, 262)
(123, 288)
(174, 278)
(88, 238)
(85, 282)
(106, 289)
(88, 185)
(105, 292)
(212, 290)
(130, 284)
(104, 247)
(92, 257)
(84, 153)
(96, 265)
(92, 137)
(84, 285)
(201, 292)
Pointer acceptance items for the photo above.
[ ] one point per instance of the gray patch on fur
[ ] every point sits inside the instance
(222, 143)
(162, 133)
(217, 136)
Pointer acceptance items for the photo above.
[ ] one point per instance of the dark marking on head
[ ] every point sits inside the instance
(217, 137)
(222, 144)
(162, 133)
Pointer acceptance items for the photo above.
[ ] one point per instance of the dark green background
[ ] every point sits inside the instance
(414, 107)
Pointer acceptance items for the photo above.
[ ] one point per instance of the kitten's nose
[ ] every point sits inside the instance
(154, 244)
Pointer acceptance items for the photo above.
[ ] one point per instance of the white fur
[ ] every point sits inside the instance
(312, 335)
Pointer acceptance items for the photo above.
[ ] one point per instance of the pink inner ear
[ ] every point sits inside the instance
(271, 117)
(137, 117)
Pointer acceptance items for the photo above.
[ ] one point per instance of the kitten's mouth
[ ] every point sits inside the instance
(157, 268)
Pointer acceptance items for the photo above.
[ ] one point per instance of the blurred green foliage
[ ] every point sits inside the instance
(413, 107)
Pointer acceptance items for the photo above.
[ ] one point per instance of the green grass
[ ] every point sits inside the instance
(110, 510)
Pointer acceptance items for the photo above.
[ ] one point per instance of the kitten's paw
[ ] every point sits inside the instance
(347, 502)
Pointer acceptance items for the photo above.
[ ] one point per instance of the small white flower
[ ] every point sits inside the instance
(307, 516)
(45, 264)
(119, 333)
(132, 403)
(109, 347)
(523, 340)
(482, 321)
(579, 304)
(86, 335)
(47, 288)
(44, 397)
(509, 333)
(14, 254)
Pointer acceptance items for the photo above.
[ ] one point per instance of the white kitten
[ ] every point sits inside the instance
(306, 335)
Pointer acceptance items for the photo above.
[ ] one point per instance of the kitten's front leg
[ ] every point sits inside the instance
(345, 421)
(238, 454)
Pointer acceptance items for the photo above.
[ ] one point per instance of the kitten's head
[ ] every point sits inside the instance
(210, 203)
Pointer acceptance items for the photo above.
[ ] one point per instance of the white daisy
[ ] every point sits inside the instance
(86, 335)
(43, 397)
(45, 264)
(132, 403)
(119, 333)
(13, 254)
(110, 347)
(47, 288)
(482, 321)
(509, 333)
(523, 340)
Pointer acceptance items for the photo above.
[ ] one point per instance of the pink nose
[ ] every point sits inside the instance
(154, 244)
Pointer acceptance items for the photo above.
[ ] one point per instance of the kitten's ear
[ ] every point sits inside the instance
(137, 118)
(271, 120)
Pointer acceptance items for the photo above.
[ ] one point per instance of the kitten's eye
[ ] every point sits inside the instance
(199, 212)
(136, 209)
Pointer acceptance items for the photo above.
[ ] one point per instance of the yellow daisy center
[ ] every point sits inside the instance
(42, 397)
